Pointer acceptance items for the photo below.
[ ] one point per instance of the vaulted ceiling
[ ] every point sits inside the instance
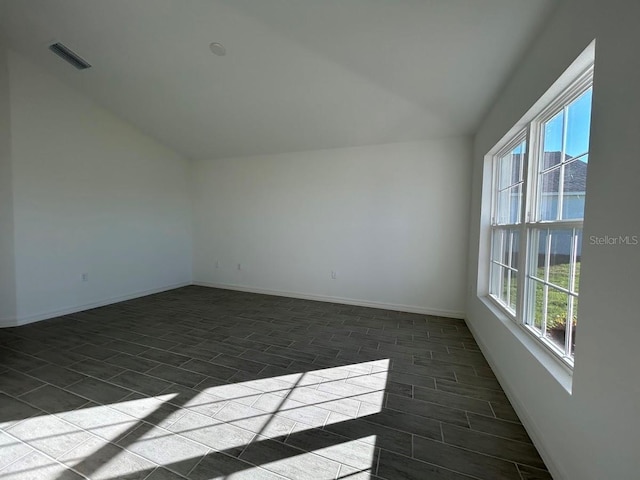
(298, 74)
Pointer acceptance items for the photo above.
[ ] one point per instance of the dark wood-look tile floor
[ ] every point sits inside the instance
(202, 383)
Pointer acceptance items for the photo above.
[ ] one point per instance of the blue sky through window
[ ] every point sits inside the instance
(578, 127)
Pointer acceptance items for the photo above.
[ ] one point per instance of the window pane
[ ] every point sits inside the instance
(553, 138)
(505, 248)
(578, 259)
(578, 125)
(538, 252)
(536, 317)
(508, 291)
(556, 246)
(496, 280)
(562, 179)
(574, 187)
(560, 257)
(498, 242)
(518, 162)
(549, 189)
(574, 325)
(506, 172)
(557, 307)
(510, 167)
(513, 291)
(506, 244)
(504, 286)
(554, 261)
(509, 202)
(512, 253)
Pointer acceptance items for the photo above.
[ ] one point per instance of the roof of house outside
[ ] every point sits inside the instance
(575, 174)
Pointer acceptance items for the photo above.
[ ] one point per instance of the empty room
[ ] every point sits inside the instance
(319, 239)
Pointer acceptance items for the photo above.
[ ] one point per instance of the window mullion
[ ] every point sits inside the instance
(547, 262)
(571, 297)
(568, 326)
(566, 224)
(529, 161)
(508, 262)
(563, 154)
(549, 284)
(573, 260)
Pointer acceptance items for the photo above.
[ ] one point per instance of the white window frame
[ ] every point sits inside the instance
(529, 222)
(521, 136)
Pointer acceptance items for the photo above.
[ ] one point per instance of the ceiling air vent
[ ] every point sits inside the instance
(70, 56)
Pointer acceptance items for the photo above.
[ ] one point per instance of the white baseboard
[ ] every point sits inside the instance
(527, 420)
(87, 306)
(13, 322)
(341, 300)
(8, 322)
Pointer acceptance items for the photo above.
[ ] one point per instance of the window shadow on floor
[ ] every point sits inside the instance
(208, 383)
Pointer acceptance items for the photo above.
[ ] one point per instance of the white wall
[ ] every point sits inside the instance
(391, 220)
(90, 195)
(7, 263)
(594, 431)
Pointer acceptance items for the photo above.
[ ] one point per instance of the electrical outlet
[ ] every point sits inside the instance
(334, 274)
(85, 277)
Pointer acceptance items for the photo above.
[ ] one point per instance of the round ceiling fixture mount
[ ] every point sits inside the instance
(218, 49)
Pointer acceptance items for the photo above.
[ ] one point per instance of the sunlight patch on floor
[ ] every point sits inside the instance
(323, 463)
(178, 429)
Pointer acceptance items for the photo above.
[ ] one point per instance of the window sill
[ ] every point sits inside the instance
(555, 366)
